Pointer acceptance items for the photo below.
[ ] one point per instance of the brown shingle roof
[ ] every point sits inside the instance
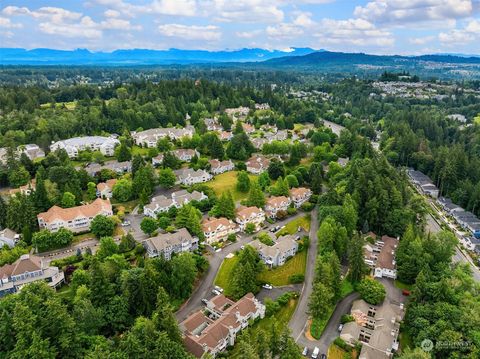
(26, 263)
(387, 254)
(248, 212)
(213, 224)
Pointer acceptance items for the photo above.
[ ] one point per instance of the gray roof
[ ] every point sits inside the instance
(163, 241)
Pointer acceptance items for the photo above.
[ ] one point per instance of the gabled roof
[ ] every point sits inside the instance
(25, 264)
(67, 214)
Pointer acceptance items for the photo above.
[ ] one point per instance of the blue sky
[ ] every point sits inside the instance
(373, 26)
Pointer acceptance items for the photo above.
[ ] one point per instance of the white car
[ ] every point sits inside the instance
(305, 351)
(340, 327)
(242, 248)
(315, 353)
(216, 292)
(267, 286)
(220, 289)
(125, 223)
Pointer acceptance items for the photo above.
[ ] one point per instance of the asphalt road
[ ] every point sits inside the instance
(299, 319)
(205, 287)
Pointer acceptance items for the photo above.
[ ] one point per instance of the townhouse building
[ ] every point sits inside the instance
(217, 167)
(8, 238)
(277, 254)
(149, 138)
(257, 164)
(188, 176)
(380, 257)
(160, 204)
(300, 195)
(31, 150)
(276, 204)
(105, 189)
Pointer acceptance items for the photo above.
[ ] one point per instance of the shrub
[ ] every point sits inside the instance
(346, 318)
(307, 206)
(339, 342)
(232, 238)
(291, 210)
(265, 239)
(296, 278)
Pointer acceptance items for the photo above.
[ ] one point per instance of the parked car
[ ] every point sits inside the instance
(218, 250)
(323, 356)
(406, 292)
(267, 286)
(204, 301)
(242, 248)
(216, 292)
(125, 223)
(305, 351)
(220, 289)
(315, 353)
(340, 327)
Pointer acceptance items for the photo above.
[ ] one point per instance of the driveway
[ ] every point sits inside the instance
(205, 287)
(278, 291)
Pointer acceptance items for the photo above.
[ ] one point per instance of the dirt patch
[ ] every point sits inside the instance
(307, 331)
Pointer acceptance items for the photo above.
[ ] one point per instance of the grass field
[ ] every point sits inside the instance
(224, 275)
(292, 227)
(129, 206)
(227, 182)
(279, 276)
(282, 316)
(335, 352)
(142, 151)
(402, 285)
(347, 288)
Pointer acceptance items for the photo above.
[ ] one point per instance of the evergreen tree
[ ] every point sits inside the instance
(316, 177)
(357, 266)
(320, 300)
(280, 188)
(123, 152)
(91, 191)
(243, 181)
(264, 180)
(276, 169)
(40, 195)
(224, 207)
(166, 178)
(256, 196)
(3, 213)
(164, 317)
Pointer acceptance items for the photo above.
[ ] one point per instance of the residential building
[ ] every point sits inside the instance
(25, 190)
(276, 255)
(149, 138)
(76, 219)
(423, 183)
(238, 113)
(343, 162)
(160, 204)
(217, 167)
(262, 106)
(257, 164)
(258, 142)
(248, 128)
(380, 257)
(213, 125)
(458, 117)
(448, 206)
(118, 167)
(32, 151)
(25, 270)
(106, 145)
(213, 330)
(300, 195)
(157, 160)
(275, 204)
(376, 327)
(217, 229)
(225, 136)
(166, 244)
(105, 189)
(188, 176)
(8, 238)
(247, 215)
(185, 154)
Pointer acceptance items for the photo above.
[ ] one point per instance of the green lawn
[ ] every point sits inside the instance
(227, 182)
(402, 285)
(129, 206)
(347, 288)
(279, 276)
(224, 275)
(292, 227)
(142, 151)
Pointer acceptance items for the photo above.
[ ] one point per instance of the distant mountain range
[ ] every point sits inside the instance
(17, 56)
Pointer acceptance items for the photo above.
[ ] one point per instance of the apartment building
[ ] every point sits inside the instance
(166, 244)
(276, 204)
(177, 199)
(105, 189)
(25, 270)
(211, 331)
(188, 176)
(277, 254)
(380, 257)
(106, 145)
(218, 229)
(149, 138)
(8, 238)
(217, 167)
(32, 151)
(247, 215)
(77, 219)
(257, 164)
(300, 195)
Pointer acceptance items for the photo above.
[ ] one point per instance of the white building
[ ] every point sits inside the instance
(217, 167)
(76, 219)
(149, 138)
(217, 229)
(247, 215)
(178, 199)
(274, 205)
(8, 238)
(188, 176)
(105, 189)
(380, 257)
(277, 254)
(106, 145)
(300, 195)
(32, 151)
(166, 244)
(25, 270)
(257, 164)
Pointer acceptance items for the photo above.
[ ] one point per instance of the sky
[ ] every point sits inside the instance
(407, 27)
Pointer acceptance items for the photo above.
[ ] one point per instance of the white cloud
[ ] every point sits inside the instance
(248, 34)
(421, 40)
(111, 13)
(357, 32)
(173, 7)
(85, 28)
(304, 19)
(5, 22)
(470, 33)
(414, 11)
(206, 33)
(284, 31)
(247, 11)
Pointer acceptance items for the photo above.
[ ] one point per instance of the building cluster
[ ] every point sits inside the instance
(149, 138)
(417, 90)
(375, 327)
(423, 183)
(25, 270)
(257, 164)
(31, 150)
(189, 176)
(77, 219)
(119, 168)
(73, 146)
(161, 204)
(212, 330)
(380, 256)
